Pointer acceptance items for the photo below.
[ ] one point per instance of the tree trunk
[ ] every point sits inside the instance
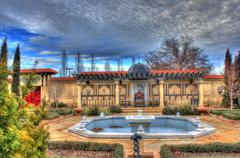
(231, 100)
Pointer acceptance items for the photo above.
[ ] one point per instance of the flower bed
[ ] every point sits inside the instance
(116, 149)
(171, 151)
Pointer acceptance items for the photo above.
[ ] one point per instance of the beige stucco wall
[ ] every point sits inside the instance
(210, 90)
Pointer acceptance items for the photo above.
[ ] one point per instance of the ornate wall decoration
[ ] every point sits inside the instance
(174, 89)
(87, 90)
(155, 89)
(104, 90)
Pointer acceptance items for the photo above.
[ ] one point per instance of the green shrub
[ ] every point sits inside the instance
(58, 105)
(183, 110)
(217, 112)
(117, 149)
(231, 116)
(105, 111)
(115, 109)
(50, 115)
(167, 151)
(92, 111)
(65, 111)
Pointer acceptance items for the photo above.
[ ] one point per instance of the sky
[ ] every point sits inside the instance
(112, 29)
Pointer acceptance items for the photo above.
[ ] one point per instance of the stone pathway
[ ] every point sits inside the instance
(227, 131)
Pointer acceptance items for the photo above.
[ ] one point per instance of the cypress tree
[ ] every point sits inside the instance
(227, 66)
(9, 140)
(3, 61)
(16, 72)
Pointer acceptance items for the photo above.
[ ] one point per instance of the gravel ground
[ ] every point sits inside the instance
(78, 154)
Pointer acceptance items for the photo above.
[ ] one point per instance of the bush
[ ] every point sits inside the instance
(231, 116)
(117, 149)
(50, 115)
(115, 109)
(167, 151)
(65, 111)
(183, 110)
(58, 105)
(92, 111)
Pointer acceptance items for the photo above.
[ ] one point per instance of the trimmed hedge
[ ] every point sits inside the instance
(117, 149)
(183, 110)
(229, 114)
(167, 151)
(65, 111)
(50, 115)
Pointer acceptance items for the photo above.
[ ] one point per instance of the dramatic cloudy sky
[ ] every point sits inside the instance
(116, 28)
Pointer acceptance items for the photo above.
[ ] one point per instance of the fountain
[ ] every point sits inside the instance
(139, 121)
(178, 114)
(102, 114)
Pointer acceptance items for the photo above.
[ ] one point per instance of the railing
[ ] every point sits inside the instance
(99, 100)
(181, 99)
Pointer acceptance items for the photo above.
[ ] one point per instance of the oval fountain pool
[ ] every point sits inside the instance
(169, 127)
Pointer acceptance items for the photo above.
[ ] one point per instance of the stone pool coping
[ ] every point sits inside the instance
(205, 129)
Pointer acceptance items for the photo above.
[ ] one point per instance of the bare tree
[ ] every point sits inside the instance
(107, 66)
(233, 84)
(64, 64)
(177, 54)
(79, 63)
(55, 91)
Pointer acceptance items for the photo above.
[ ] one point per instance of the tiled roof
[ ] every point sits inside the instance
(103, 72)
(175, 71)
(38, 71)
(214, 76)
(63, 79)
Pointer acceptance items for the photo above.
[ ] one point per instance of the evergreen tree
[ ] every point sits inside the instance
(227, 65)
(3, 61)
(16, 72)
(9, 123)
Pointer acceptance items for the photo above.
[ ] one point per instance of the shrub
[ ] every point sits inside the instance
(217, 112)
(105, 111)
(231, 116)
(167, 151)
(58, 105)
(65, 111)
(115, 109)
(117, 149)
(92, 111)
(50, 115)
(183, 110)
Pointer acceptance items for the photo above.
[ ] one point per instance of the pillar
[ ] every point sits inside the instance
(161, 93)
(200, 90)
(116, 83)
(79, 97)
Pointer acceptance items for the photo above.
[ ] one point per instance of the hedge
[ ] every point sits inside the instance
(229, 114)
(117, 149)
(183, 110)
(167, 151)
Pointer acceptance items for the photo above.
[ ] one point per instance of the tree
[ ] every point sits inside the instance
(9, 123)
(79, 63)
(4, 61)
(107, 66)
(16, 72)
(227, 65)
(64, 64)
(55, 91)
(231, 78)
(178, 54)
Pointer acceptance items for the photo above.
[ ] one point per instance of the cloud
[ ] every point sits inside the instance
(125, 27)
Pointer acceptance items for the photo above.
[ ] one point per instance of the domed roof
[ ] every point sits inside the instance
(139, 71)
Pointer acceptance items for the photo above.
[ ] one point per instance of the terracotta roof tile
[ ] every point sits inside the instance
(38, 71)
(63, 79)
(214, 76)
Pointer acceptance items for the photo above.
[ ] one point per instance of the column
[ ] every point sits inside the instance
(79, 98)
(200, 90)
(116, 83)
(161, 93)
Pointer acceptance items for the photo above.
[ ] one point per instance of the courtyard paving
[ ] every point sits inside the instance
(227, 131)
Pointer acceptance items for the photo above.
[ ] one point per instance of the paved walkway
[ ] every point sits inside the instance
(227, 131)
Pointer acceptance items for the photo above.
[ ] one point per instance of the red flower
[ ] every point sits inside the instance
(34, 97)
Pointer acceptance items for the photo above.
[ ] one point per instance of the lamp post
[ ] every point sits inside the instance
(136, 151)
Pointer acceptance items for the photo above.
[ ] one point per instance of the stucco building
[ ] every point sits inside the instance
(139, 86)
